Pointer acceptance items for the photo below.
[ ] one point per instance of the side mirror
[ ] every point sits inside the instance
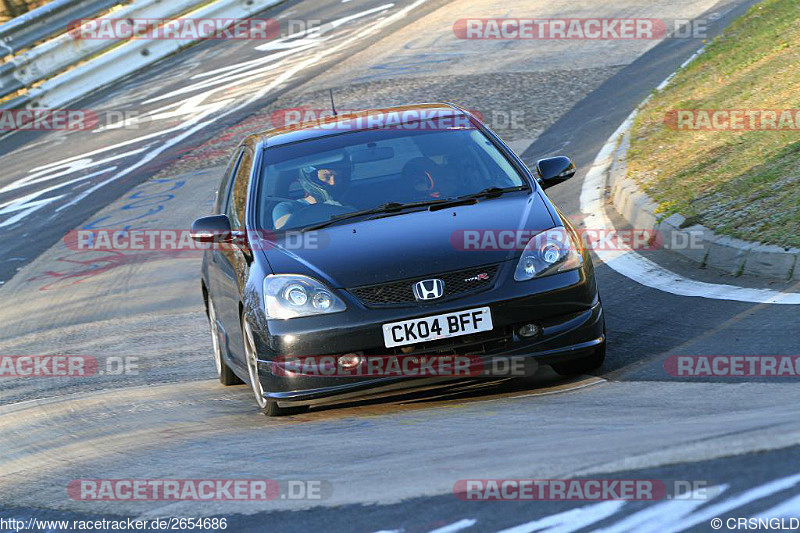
(216, 228)
(554, 170)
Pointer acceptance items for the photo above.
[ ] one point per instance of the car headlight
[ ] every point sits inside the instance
(550, 252)
(293, 295)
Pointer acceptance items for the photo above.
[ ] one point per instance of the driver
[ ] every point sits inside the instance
(323, 184)
(427, 179)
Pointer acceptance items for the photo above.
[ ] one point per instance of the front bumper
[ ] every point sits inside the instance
(565, 306)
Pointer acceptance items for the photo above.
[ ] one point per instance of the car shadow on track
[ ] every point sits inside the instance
(544, 382)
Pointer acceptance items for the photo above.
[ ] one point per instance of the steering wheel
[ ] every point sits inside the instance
(314, 213)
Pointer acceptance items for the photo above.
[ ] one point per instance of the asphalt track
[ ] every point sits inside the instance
(53, 180)
(391, 464)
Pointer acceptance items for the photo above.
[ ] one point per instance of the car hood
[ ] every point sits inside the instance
(409, 245)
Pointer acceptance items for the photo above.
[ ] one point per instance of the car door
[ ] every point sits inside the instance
(231, 262)
(213, 256)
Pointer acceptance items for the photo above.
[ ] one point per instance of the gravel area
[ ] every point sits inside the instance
(518, 106)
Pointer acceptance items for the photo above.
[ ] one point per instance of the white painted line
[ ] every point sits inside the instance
(723, 508)
(245, 65)
(82, 161)
(455, 526)
(40, 175)
(787, 509)
(28, 197)
(662, 516)
(572, 520)
(395, 16)
(276, 45)
(692, 58)
(675, 515)
(24, 209)
(663, 84)
(642, 270)
(86, 193)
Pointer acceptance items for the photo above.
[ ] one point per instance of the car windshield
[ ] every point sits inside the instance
(310, 182)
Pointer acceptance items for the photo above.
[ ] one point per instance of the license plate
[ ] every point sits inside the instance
(431, 328)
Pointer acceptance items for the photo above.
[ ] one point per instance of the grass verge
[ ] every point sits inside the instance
(741, 183)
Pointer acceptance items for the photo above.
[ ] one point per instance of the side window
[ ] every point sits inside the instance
(226, 181)
(237, 202)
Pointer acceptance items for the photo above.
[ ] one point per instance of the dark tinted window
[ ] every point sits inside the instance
(365, 169)
(237, 202)
(222, 193)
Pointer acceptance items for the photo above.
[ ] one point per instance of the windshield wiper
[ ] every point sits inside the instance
(492, 192)
(471, 199)
(398, 208)
(390, 207)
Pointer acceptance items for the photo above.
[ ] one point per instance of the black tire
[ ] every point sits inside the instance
(272, 409)
(267, 406)
(583, 365)
(224, 373)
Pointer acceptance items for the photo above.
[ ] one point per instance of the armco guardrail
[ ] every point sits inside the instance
(55, 55)
(46, 21)
(130, 57)
(106, 67)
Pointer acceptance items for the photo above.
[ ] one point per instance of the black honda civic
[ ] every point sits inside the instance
(346, 255)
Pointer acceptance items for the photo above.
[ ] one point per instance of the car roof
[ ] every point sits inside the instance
(324, 127)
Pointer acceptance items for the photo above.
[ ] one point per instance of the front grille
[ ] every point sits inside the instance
(461, 282)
